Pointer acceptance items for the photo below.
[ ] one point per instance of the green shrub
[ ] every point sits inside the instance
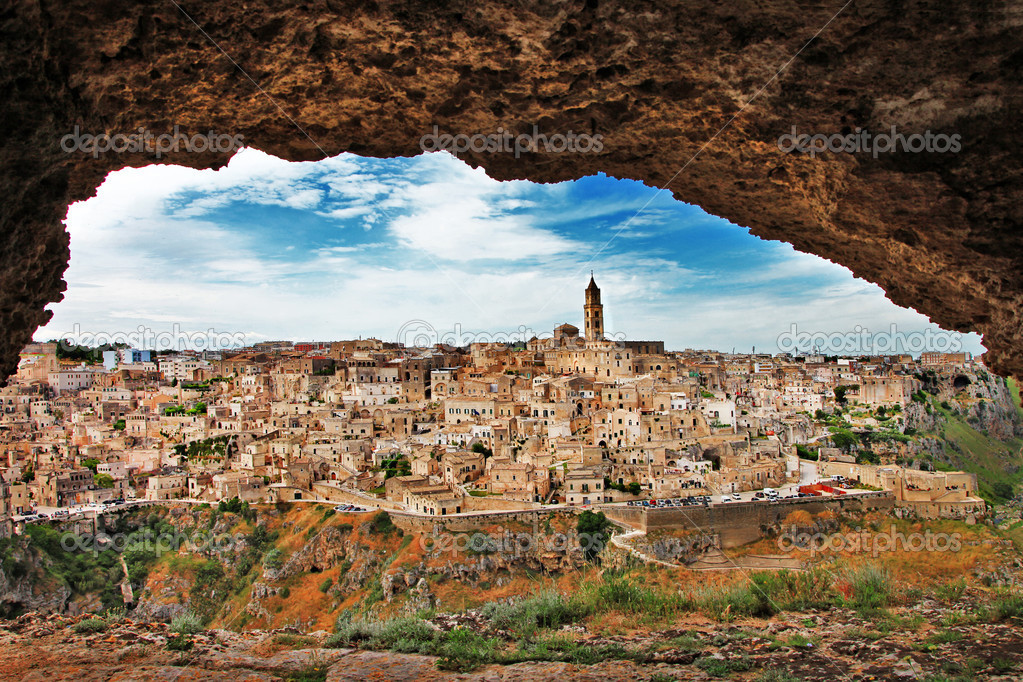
(619, 593)
(179, 643)
(91, 626)
(374, 594)
(350, 631)
(793, 591)
(1003, 606)
(273, 559)
(1003, 665)
(544, 610)
(413, 634)
(731, 601)
(186, 623)
(326, 585)
(382, 523)
(871, 587)
(467, 650)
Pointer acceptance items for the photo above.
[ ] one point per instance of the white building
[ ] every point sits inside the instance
(719, 411)
(76, 379)
(181, 367)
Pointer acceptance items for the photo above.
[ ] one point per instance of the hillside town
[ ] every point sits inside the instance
(572, 419)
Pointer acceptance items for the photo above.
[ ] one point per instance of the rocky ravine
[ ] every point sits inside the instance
(658, 81)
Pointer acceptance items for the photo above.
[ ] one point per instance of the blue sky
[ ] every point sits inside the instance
(353, 246)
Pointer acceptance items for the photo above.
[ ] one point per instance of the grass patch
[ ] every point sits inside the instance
(724, 667)
(939, 637)
(951, 591)
(312, 673)
(775, 675)
(289, 639)
(796, 641)
(1003, 606)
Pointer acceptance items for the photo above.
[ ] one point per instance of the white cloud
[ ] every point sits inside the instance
(451, 246)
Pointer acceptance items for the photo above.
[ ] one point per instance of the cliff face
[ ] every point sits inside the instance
(21, 591)
(658, 81)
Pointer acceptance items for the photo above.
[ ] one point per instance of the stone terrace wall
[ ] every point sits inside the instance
(335, 494)
(476, 504)
(470, 522)
(739, 523)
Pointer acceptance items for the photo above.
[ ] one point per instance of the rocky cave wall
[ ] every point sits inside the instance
(657, 80)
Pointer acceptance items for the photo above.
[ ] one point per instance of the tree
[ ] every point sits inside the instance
(1002, 489)
(844, 439)
(120, 425)
(635, 488)
(593, 532)
(200, 408)
(103, 480)
(867, 457)
(803, 452)
(840, 392)
(90, 463)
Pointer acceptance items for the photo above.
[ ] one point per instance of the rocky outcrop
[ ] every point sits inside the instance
(691, 96)
(21, 590)
(329, 547)
(685, 550)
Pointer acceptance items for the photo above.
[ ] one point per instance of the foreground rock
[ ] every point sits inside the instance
(906, 644)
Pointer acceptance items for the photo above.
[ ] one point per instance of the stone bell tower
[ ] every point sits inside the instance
(593, 313)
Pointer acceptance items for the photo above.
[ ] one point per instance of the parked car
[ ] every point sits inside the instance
(737, 497)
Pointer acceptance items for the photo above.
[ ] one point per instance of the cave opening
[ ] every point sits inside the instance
(427, 249)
